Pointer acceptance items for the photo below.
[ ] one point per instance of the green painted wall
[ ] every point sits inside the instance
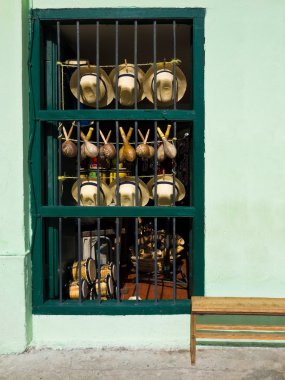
(244, 165)
(244, 169)
(15, 276)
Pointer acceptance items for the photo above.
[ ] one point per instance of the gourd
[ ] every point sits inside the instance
(129, 151)
(69, 149)
(109, 150)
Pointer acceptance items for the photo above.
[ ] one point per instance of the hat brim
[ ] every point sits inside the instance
(180, 77)
(104, 187)
(129, 69)
(143, 188)
(169, 178)
(84, 70)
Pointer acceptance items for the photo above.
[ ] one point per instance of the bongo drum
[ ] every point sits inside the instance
(106, 286)
(74, 289)
(108, 269)
(88, 270)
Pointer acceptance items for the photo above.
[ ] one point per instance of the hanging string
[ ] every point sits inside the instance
(87, 177)
(172, 61)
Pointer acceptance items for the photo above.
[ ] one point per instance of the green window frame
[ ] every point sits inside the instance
(38, 115)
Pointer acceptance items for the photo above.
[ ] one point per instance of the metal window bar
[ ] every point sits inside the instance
(79, 253)
(59, 106)
(117, 161)
(155, 155)
(137, 163)
(98, 255)
(174, 166)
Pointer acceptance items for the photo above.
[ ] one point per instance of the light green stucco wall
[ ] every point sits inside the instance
(244, 168)
(15, 276)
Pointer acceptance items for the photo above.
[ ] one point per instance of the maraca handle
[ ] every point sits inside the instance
(89, 134)
(124, 137)
(167, 133)
(160, 133)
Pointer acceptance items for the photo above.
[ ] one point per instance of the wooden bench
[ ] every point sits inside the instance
(235, 306)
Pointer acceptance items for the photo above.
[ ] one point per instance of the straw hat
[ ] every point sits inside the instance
(165, 189)
(127, 191)
(164, 83)
(88, 82)
(88, 193)
(126, 84)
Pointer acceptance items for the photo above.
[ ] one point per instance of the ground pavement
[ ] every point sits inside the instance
(231, 363)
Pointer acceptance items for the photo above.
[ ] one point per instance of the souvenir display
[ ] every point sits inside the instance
(165, 189)
(163, 254)
(106, 288)
(129, 151)
(88, 149)
(88, 86)
(108, 270)
(169, 149)
(109, 150)
(88, 193)
(165, 83)
(161, 156)
(127, 83)
(127, 191)
(88, 270)
(143, 150)
(73, 289)
(121, 151)
(69, 149)
(102, 147)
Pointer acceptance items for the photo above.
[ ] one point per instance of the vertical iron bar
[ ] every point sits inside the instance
(78, 161)
(98, 159)
(59, 104)
(174, 166)
(137, 166)
(155, 157)
(174, 257)
(117, 161)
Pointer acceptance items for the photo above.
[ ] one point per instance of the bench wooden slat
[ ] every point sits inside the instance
(200, 326)
(254, 336)
(237, 305)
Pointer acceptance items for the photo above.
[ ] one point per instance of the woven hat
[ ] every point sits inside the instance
(165, 189)
(88, 193)
(127, 191)
(126, 84)
(88, 83)
(164, 83)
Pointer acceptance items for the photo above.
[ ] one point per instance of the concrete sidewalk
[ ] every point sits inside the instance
(212, 363)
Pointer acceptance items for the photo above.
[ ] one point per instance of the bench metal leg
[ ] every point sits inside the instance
(193, 339)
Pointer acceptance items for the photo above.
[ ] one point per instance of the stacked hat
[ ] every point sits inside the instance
(88, 86)
(127, 191)
(165, 189)
(128, 84)
(88, 193)
(166, 81)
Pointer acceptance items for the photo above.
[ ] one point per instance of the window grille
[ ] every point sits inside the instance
(116, 156)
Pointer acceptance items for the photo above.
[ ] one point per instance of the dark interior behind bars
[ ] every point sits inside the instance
(117, 258)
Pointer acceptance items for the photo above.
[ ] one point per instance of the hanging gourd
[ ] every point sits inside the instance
(129, 151)
(69, 149)
(170, 150)
(109, 149)
(121, 151)
(142, 150)
(87, 148)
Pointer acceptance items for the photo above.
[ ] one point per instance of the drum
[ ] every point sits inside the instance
(74, 289)
(107, 288)
(88, 270)
(108, 269)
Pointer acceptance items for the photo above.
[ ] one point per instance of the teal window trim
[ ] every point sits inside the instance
(38, 115)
